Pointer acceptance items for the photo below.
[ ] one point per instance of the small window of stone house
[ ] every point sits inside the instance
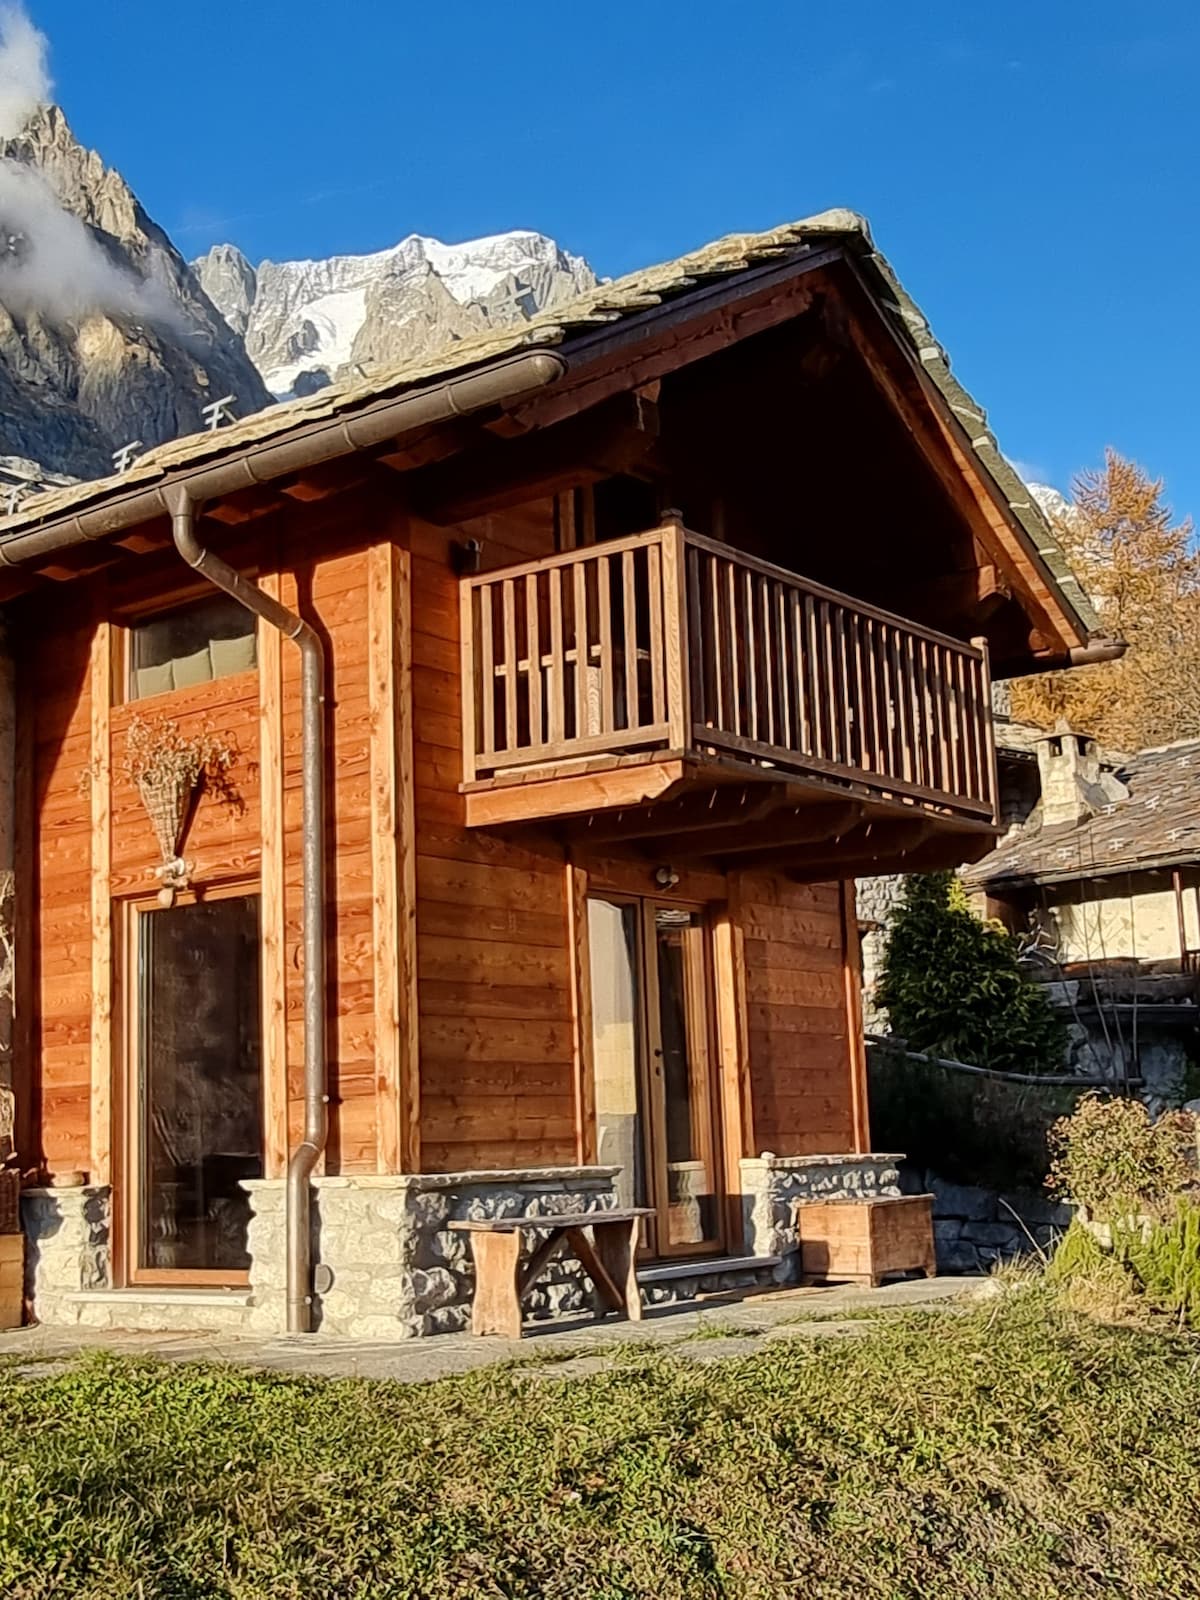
(190, 645)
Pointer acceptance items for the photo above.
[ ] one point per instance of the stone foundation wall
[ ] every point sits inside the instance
(774, 1186)
(975, 1229)
(66, 1247)
(388, 1264)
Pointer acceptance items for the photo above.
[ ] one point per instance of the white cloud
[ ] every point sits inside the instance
(24, 77)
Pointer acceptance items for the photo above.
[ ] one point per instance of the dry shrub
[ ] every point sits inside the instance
(1113, 1158)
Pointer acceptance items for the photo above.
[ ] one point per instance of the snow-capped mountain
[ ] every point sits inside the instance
(306, 323)
(1052, 501)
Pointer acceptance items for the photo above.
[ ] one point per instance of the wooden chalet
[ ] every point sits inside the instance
(593, 659)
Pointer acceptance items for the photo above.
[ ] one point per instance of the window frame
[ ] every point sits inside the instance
(133, 617)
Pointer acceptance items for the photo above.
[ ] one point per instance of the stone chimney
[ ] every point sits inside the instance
(1069, 769)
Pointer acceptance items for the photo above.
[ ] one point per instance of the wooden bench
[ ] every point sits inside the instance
(501, 1284)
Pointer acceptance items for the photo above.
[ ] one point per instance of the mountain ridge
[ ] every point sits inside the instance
(308, 322)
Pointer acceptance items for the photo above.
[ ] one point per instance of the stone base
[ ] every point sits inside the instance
(388, 1265)
(774, 1187)
(394, 1268)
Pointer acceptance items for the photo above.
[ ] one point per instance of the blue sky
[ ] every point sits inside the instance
(1031, 169)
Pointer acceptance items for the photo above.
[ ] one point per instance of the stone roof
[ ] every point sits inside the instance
(609, 303)
(1157, 822)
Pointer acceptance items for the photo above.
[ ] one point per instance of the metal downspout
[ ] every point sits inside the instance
(307, 1153)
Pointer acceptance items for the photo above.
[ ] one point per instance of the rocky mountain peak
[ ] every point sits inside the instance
(105, 335)
(307, 323)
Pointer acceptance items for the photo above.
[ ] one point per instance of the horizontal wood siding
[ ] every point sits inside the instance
(493, 961)
(800, 1059)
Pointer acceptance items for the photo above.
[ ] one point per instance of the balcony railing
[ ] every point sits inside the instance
(670, 642)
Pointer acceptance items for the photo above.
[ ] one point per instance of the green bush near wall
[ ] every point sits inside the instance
(968, 1129)
(952, 985)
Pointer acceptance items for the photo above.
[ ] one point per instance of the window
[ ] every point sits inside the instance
(194, 644)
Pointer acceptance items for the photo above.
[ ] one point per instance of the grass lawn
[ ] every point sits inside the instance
(1016, 1450)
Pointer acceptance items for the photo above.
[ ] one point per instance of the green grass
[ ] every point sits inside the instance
(1013, 1450)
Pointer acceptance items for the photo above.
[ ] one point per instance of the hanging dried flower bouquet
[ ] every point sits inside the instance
(168, 768)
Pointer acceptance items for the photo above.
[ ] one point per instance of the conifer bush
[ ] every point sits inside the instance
(952, 985)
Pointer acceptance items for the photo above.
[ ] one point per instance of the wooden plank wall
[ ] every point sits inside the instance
(493, 949)
(802, 1091)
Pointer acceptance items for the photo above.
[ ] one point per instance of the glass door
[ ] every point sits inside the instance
(194, 1102)
(652, 1058)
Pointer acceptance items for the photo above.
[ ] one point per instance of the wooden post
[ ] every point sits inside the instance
(675, 636)
(733, 1050)
(581, 1014)
(989, 733)
(471, 669)
(856, 1042)
(393, 860)
(100, 686)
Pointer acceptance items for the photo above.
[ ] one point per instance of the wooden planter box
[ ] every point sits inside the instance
(865, 1240)
(12, 1278)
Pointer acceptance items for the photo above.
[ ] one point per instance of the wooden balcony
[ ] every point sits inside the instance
(625, 676)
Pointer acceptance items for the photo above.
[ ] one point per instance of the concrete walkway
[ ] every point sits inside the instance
(715, 1331)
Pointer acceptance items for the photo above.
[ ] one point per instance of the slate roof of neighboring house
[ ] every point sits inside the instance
(609, 303)
(1159, 823)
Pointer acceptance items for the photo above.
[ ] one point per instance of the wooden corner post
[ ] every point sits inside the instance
(733, 1053)
(393, 859)
(855, 1038)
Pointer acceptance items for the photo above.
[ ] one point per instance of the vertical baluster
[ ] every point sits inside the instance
(556, 719)
(633, 698)
(750, 653)
(608, 666)
(924, 743)
(783, 643)
(582, 722)
(534, 652)
(799, 665)
(718, 711)
(654, 579)
(508, 609)
(903, 710)
(487, 669)
(887, 732)
(767, 645)
(946, 779)
(815, 679)
(958, 733)
(700, 635)
(862, 720)
(844, 633)
(871, 728)
(830, 678)
(736, 643)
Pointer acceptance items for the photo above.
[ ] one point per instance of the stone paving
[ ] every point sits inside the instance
(715, 1330)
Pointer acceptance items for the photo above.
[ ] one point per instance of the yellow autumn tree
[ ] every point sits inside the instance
(1142, 572)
